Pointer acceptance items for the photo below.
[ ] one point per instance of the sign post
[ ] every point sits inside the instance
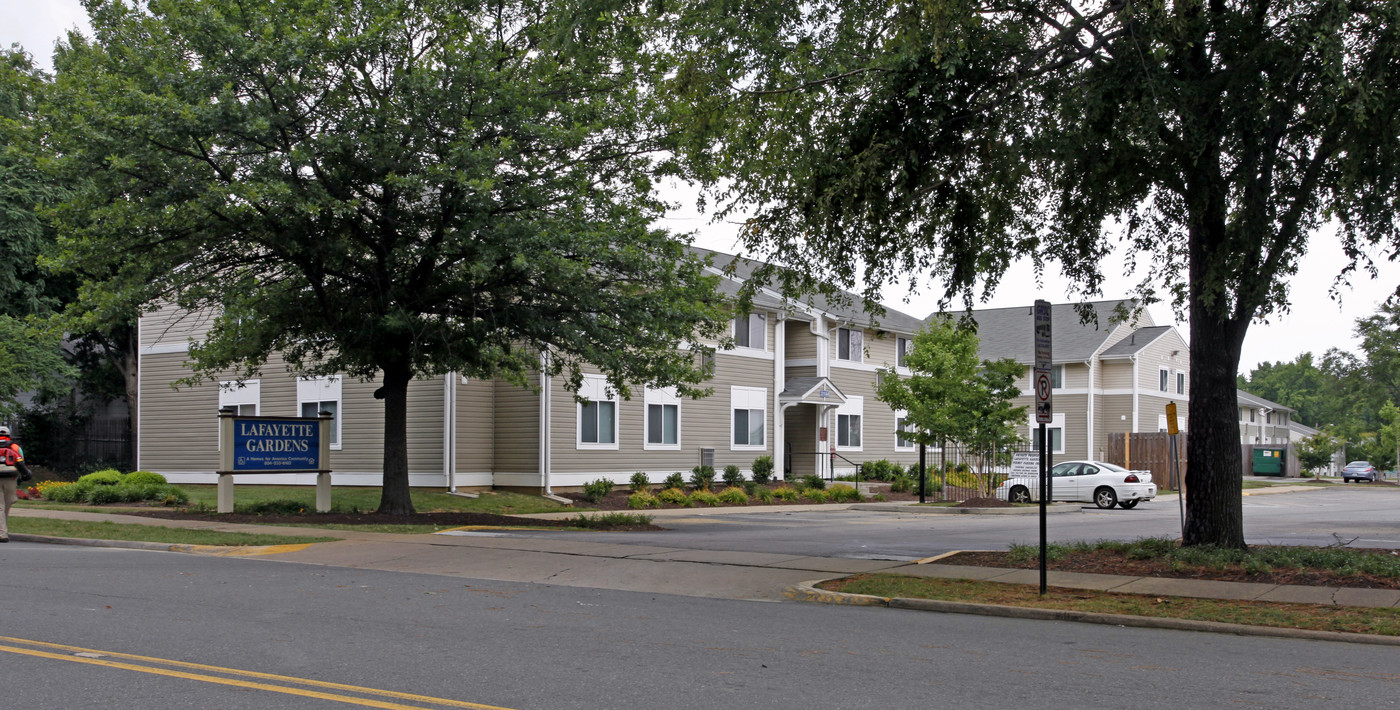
(256, 445)
(1175, 466)
(1044, 414)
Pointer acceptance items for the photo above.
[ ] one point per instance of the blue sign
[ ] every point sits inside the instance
(265, 444)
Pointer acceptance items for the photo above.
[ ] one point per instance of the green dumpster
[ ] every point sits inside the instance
(1268, 462)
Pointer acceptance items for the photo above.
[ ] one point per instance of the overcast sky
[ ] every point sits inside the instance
(1315, 323)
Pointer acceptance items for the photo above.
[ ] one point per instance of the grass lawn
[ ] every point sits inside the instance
(344, 499)
(150, 533)
(1384, 622)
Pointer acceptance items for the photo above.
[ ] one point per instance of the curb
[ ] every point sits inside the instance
(954, 510)
(808, 592)
(207, 550)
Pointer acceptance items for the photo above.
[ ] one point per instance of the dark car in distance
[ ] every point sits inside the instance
(1359, 471)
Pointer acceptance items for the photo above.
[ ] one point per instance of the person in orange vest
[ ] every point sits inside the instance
(13, 472)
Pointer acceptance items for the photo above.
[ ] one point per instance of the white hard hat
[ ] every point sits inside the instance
(5, 431)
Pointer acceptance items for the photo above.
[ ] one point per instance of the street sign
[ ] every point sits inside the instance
(1171, 418)
(1040, 378)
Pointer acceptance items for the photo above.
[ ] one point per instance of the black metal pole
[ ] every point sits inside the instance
(1044, 501)
(923, 471)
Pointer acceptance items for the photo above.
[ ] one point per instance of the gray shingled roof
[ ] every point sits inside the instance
(743, 269)
(1006, 332)
(1250, 400)
(1137, 340)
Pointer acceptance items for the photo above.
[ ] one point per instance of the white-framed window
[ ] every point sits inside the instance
(663, 426)
(849, 419)
(1163, 375)
(321, 394)
(1251, 420)
(1054, 433)
(243, 397)
(1181, 382)
(597, 417)
(751, 331)
(850, 344)
(1057, 377)
(1268, 419)
(901, 351)
(902, 426)
(748, 413)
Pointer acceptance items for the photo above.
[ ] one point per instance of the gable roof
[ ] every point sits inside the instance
(1136, 341)
(743, 268)
(1007, 332)
(1249, 400)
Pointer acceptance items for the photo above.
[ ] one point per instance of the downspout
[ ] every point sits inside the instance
(546, 454)
(450, 438)
(1089, 412)
(819, 329)
(1133, 429)
(779, 380)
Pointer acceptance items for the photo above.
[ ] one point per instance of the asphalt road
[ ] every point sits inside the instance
(1360, 515)
(129, 629)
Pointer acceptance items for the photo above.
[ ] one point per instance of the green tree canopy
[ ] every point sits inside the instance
(386, 189)
(943, 139)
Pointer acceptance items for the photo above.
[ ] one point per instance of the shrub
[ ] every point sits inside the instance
(705, 497)
(880, 470)
(103, 494)
(734, 496)
(842, 493)
(68, 493)
(764, 495)
(675, 480)
(174, 496)
(763, 469)
(105, 477)
(597, 490)
(812, 480)
(787, 493)
(900, 484)
(675, 496)
(640, 482)
(610, 520)
(814, 495)
(961, 476)
(702, 477)
(733, 476)
(642, 499)
(143, 478)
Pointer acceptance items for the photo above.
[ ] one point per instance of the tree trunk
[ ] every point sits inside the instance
(395, 499)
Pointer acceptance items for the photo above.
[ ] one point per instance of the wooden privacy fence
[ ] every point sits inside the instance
(1148, 451)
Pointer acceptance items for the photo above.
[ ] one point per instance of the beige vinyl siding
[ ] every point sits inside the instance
(1118, 375)
(1158, 355)
(170, 326)
(1076, 376)
(800, 343)
(1074, 407)
(704, 423)
(1119, 331)
(179, 429)
(880, 347)
(877, 421)
(517, 432)
(791, 372)
(1150, 407)
(476, 437)
(1115, 415)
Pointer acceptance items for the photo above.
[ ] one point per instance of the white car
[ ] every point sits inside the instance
(1103, 484)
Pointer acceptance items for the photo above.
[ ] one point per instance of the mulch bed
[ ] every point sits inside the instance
(617, 499)
(441, 519)
(1108, 562)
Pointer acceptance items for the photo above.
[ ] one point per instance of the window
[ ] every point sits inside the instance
(748, 407)
(1268, 417)
(321, 394)
(1054, 432)
(1162, 376)
(901, 352)
(849, 417)
(848, 431)
(597, 417)
(663, 419)
(849, 344)
(902, 427)
(242, 397)
(1057, 377)
(1251, 419)
(750, 331)
(1181, 383)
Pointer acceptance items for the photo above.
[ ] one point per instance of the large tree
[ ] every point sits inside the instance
(387, 189)
(942, 139)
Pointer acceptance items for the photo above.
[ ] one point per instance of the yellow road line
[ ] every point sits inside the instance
(440, 702)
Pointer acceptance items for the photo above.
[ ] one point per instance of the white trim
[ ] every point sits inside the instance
(748, 324)
(323, 389)
(749, 399)
(595, 389)
(747, 352)
(1057, 421)
(165, 349)
(860, 366)
(664, 398)
(854, 406)
(898, 415)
